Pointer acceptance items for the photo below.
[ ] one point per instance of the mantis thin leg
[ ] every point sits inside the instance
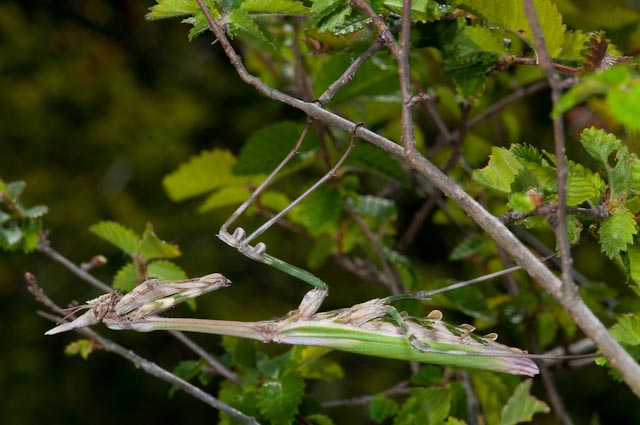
(299, 199)
(424, 295)
(242, 208)
(240, 241)
(397, 317)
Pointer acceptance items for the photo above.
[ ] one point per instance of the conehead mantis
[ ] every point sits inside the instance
(373, 327)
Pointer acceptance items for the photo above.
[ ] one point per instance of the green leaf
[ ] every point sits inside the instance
(381, 408)
(83, 347)
(172, 8)
(234, 395)
(522, 406)
(330, 14)
(616, 232)
(277, 7)
(595, 84)
(372, 206)
(4, 217)
(627, 330)
(127, 278)
(319, 253)
(403, 267)
(573, 46)
(428, 406)
(151, 246)
(31, 230)
(421, 10)
(473, 40)
(427, 375)
(322, 369)
(269, 145)
(227, 196)
(614, 155)
(319, 419)
(471, 245)
(278, 400)
(546, 328)
(493, 391)
(320, 211)
(583, 185)
(373, 79)
(509, 14)
(37, 211)
(187, 370)
(240, 20)
(165, 270)
(117, 234)
(199, 24)
(634, 262)
(574, 229)
(624, 104)
(469, 300)
(208, 171)
(501, 171)
(375, 160)
(10, 236)
(15, 189)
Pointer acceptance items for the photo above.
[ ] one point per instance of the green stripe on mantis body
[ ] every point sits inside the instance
(378, 338)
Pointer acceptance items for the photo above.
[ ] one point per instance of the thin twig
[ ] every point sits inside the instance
(400, 388)
(401, 55)
(260, 230)
(547, 66)
(550, 209)
(211, 361)
(348, 73)
(140, 362)
(473, 405)
(483, 278)
(238, 212)
(545, 251)
(517, 60)
(557, 404)
(392, 280)
(582, 315)
(506, 101)
(416, 222)
(45, 247)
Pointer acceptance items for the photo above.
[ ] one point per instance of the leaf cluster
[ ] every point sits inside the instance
(149, 255)
(19, 226)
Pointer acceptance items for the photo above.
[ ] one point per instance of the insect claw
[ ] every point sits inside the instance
(239, 234)
(256, 253)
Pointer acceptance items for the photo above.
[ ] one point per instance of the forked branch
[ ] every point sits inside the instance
(582, 315)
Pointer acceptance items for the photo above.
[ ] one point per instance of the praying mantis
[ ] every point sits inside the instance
(374, 327)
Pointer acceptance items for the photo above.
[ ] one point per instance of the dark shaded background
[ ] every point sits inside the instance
(97, 106)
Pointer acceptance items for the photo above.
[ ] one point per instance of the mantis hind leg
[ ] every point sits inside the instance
(411, 337)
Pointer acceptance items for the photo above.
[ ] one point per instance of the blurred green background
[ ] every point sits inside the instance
(97, 106)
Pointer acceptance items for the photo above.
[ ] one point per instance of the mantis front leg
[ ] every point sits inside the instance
(239, 239)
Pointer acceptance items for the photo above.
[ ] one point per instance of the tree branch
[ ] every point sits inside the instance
(584, 318)
(558, 137)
